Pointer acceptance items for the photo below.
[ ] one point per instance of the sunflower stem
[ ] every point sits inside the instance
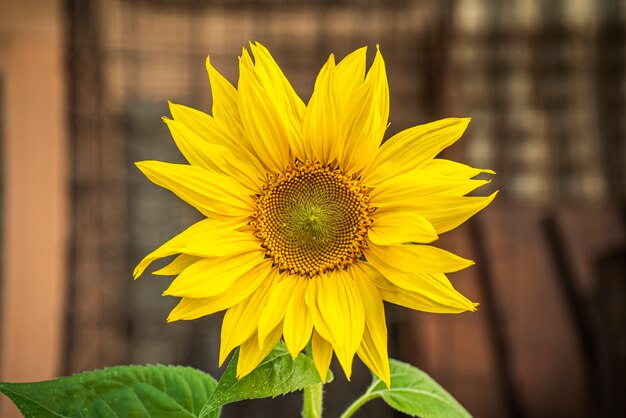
(366, 397)
(312, 405)
(313, 394)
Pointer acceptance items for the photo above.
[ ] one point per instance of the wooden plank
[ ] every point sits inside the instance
(589, 243)
(539, 334)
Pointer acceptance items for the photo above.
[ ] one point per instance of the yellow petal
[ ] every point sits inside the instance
(350, 74)
(312, 300)
(298, 323)
(320, 119)
(373, 348)
(214, 195)
(322, 355)
(341, 307)
(419, 302)
(203, 125)
(202, 238)
(214, 132)
(364, 120)
(373, 307)
(225, 108)
(447, 212)
(432, 296)
(214, 157)
(400, 226)
(416, 258)
(274, 311)
(375, 359)
(287, 101)
(180, 263)
(454, 169)
(265, 123)
(378, 75)
(424, 292)
(251, 353)
(413, 148)
(192, 308)
(222, 244)
(409, 188)
(242, 320)
(212, 276)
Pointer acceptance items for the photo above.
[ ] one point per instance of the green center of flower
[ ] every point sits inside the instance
(312, 218)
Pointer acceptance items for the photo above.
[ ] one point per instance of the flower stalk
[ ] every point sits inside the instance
(358, 403)
(313, 401)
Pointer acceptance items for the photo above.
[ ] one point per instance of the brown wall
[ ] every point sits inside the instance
(34, 182)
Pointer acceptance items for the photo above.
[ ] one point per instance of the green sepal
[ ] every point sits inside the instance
(277, 375)
(122, 391)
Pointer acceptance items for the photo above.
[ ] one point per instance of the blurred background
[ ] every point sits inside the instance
(83, 85)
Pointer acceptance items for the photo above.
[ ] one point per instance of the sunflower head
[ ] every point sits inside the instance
(312, 218)
(310, 223)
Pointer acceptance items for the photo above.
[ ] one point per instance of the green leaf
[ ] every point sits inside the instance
(416, 394)
(123, 391)
(277, 375)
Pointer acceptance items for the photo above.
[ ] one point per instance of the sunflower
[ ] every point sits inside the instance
(310, 222)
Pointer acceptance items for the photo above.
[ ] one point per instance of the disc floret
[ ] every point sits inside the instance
(312, 218)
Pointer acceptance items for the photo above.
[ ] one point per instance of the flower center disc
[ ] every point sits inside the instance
(312, 218)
